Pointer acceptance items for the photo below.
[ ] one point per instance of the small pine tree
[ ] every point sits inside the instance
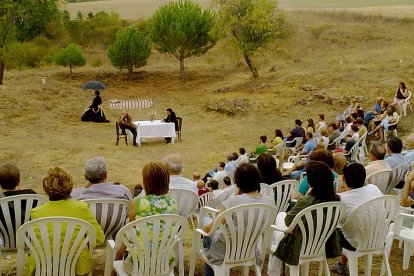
(130, 49)
(182, 29)
(71, 57)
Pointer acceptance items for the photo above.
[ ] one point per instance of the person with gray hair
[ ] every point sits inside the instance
(377, 163)
(175, 165)
(97, 186)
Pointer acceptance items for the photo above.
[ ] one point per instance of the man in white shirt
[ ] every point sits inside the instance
(242, 159)
(355, 193)
(220, 174)
(377, 154)
(230, 166)
(214, 186)
(174, 165)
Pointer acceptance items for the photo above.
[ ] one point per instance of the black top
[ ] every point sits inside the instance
(19, 192)
(172, 118)
(400, 95)
(96, 102)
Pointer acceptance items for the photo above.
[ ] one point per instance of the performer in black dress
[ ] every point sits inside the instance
(95, 113)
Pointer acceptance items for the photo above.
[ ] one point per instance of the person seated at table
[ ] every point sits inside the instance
(58, 185)
(125, 122)
(171, 118)
(95, 113)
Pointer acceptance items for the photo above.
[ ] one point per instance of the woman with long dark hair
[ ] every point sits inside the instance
(269, 173)
(400, 95)
(320, 180)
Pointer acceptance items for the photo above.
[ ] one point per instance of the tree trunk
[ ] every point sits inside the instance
(130, 72)
(182, 69)
(70, 68)
(1, 72)
(251, 65)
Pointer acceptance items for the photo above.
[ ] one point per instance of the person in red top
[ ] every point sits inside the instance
(201, 188)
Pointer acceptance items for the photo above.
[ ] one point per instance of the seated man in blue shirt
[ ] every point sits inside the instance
(394, 149)
(308, 146)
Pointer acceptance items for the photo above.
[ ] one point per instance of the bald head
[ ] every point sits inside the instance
(174, 163)
(377, 151)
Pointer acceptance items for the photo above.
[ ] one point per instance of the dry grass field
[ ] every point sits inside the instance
(360, 55)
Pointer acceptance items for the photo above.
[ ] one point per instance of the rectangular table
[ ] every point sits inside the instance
(154, 129)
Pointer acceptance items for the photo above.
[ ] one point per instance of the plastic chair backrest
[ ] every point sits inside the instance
(242, 228)
(111, 214)
(15, 211)
(369, 222)
(316, 224)
(353, 153)
(55, 244)
(152, 239)
(205, 199)
(216, 202)
(282, 192)
(264, 189)
(186, 201)
(379, 179)
(397, 175)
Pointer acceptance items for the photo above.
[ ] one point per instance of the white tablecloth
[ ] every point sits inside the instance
(154, 129)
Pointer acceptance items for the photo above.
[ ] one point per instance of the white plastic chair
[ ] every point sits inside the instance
(111, 214)
(150, 242)
(397, 175)
(404, 234)
(394, 131)
(379, 179)
(316, 223)
(55, 244)
(336, 142)
(298, 141)
(369, 224)
(187, 202)
(363, 142)
(279, 152)
(242, 227)
(22, 206)
(264, 189)
(216, 201)
(406, 103)
(205, 199)
(352, 155)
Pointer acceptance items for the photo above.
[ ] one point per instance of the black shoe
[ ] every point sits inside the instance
(135, 145)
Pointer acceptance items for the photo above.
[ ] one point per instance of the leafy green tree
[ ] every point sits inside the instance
(130, 49)
(71, 57)
(23, 20)
(182, 29)
(251, 25)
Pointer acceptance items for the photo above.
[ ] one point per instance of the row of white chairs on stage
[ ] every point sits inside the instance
(241, 234)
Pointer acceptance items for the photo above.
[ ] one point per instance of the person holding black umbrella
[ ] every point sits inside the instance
(95, 113)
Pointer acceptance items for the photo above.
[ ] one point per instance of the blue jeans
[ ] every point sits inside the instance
(206, 244)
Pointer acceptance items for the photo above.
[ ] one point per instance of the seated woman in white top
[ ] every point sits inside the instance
(247, 178)
(321, 124)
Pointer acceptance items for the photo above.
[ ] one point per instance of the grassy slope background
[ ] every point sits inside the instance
(40, 124)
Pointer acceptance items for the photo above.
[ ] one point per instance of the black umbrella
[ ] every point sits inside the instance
(95, 85)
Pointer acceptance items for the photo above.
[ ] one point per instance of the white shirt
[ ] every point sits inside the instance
(219, 177)
(353, 199)
(325, 141)
(241, 160)
(217, 192)
(179, 182)
(376, 166)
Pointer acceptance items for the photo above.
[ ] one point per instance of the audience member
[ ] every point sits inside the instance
(354, 132)
(355, 193)
(349, 143)
(228, 187)
(220, 174)
(348, 124)
(230, 166)
(377, 163)
(310, 127)
(278, 139)
(174, 165)
(351, 108)
(196, 176)
(243, 158)
(384, 126)
(321, 155)
(308, 146)
(323, 138)
(261, 146)
(58, 186)
(362, 129)
(333, 134)
(321, 123)
(407, 194)
(214, 188)
(322, 182)
(297, 131)
(10, 181)
(394, 148)
(371, 114)
(156, 201)
(400, 95)
(269, 173)
(247, 179)
(339, 163)
(125, 122)
(201, 188)
(409, 145)
(96, 186)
